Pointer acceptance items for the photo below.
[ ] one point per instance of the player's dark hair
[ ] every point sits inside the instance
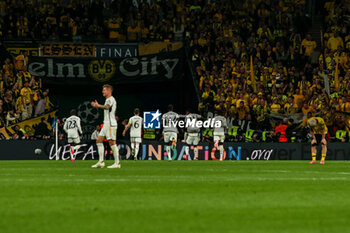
(108, 86)
(136, 111)
(73, 112)
(170, 107)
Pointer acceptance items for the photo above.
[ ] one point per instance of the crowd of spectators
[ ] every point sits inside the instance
(96, 20)
(22, 95)
(255, 62)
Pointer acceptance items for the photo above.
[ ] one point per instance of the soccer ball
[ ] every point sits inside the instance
(87, 113)
(37, 151)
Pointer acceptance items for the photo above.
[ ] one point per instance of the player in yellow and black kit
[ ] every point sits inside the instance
(318, 130)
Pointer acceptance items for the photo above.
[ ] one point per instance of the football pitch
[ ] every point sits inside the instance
(178, 196)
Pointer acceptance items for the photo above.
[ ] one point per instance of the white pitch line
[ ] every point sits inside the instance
(304, 179)
(275, 171)
(183, 179)
(308, 172)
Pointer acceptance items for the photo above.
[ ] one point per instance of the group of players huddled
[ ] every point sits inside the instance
(72, 127)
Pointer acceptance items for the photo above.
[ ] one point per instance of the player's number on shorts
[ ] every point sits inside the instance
(136, 124)
(72, 124)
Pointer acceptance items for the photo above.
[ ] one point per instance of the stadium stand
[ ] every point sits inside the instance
(21, 94)
(86, 20)
(254, 60)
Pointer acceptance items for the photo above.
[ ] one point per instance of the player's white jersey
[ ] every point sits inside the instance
(220, 130)
(109, 114)
(192, 118)
(136, 126)
(169, 120)
(72, 127)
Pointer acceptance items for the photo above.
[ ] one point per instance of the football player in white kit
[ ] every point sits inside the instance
(170, 130)
(73, 130)
(109, 130)
(192, 134)
(135, 123)
(219, 133)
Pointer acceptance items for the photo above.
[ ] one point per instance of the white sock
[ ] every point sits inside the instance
(221, 152)
(195, 152)
(115, 151)
(77, 147)
(187, 150)
(71, 152)
(137, 149)
(168, 151)
(101, 152)
(133, 148)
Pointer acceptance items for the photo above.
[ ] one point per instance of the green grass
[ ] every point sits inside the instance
(179, 196)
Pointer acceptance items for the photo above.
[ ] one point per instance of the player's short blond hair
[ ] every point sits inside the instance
(108, 86)
(313, 122)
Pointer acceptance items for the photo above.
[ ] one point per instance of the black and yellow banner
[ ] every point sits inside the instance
(159, 47)
(99, 50)
(4, 134)
(29, 126)
(15, 51)
(157, 67)
(67, 50)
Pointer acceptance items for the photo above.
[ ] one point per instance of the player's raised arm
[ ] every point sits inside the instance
(95, 104)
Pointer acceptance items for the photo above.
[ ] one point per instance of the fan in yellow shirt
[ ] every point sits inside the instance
(134, 32)
(334, 42)
(21, 61)
(298, 99)
(275, 107)
(306, 109)
(8, 67)
(27, 93)
(345, 105)
(242, 110)
(114, 28)
(308, 45)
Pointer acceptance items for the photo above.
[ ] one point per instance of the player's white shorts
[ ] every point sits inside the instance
(192, 139)
(169, 136)
(110, 132)
(135, 139)
(219, 137)
(74, 140)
